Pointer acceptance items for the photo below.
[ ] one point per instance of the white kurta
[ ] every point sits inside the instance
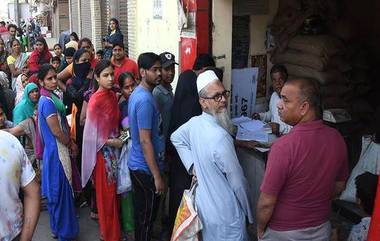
(222, 193)
(272, 115)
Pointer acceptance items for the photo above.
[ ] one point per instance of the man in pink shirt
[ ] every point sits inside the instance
(306, 169)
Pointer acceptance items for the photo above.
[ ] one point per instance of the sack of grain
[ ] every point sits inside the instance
(320, 45)
(301, 58)
(330, 76)
(334, 90)
(333, 102)
(338, 62)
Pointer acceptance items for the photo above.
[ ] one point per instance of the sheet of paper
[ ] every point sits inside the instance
(253, 125)
(238, 120)
(248, 135)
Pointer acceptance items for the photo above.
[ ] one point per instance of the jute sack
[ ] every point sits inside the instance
(320, 45)
(330, 76)
(301, 58)
(334, 90)
(333, 102)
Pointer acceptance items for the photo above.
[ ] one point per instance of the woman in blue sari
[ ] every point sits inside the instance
(57, 169)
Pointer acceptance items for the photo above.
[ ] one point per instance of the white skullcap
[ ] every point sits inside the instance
(205, 78)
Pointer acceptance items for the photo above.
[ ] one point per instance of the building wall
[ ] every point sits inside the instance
(62, 12)
(157, 35)
(146, 34)
(258, 28)
(132, 28)
(86, 19)
(75, 18)
(222, 37)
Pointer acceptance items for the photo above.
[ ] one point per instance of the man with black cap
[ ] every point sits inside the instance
(163, 93)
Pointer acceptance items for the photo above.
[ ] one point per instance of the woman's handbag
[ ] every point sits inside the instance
(187, 223)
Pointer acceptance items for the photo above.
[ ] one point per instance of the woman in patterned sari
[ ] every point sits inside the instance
(16, 61)
(57, 177)
(100, 150)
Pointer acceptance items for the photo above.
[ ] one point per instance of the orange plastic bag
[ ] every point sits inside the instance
(187, 224)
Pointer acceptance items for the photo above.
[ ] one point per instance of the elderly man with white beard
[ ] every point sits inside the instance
(206, 149)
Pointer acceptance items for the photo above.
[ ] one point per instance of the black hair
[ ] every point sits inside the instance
(366, 186)
(55, 45)
(2, 23)
(218, 72)
(123, 77)
(13, 40)
(43, 71)
(75, 35)
(82, 40)
(69, 52)
(100, 51)
(309, 91)
(147, 60)
(43, 41)
(4, 103)
(203, 61)
(101, 65)
(12, 26)
(55, 58)
(117, 25)
(279, 68)
(120, 44)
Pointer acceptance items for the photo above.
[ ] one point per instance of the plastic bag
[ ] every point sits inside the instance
(187, 223)
(369, 162)
(124, 183)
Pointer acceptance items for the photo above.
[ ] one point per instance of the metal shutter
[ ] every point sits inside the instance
(74, 16)
(86, 21)
(123, 15)
(132, 28)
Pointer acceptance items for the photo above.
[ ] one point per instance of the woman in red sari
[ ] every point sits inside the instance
(37, 58)
(101, 150)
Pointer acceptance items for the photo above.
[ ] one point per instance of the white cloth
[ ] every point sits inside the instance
(205, 78)
(318, 233)
(15, 171)
(272, 115)
(359, 232)
(222, 193)
(369, 161)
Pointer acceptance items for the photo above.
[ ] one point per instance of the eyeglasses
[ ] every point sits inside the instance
(218, 96)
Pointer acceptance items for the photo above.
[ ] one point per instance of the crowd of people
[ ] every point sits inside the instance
(82, 117)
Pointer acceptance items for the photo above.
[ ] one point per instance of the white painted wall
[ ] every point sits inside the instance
(258, 27)
(157, 35)
(222, 37)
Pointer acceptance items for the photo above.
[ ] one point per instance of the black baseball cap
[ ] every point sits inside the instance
(167, 59)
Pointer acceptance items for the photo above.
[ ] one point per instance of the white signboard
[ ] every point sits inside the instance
(244, 86)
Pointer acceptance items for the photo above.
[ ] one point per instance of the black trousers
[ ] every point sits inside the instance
(145, 202)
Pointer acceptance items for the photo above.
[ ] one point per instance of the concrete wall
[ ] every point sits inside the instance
(258, 27)
(155, 35)
(222, 37)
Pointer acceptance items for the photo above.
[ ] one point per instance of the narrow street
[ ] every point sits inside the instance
(89, 229)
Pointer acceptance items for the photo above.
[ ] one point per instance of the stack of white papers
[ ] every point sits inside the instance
(250, 130)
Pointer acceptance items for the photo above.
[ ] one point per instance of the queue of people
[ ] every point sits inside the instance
(78, 112)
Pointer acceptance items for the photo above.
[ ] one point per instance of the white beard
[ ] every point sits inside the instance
(223, 119)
